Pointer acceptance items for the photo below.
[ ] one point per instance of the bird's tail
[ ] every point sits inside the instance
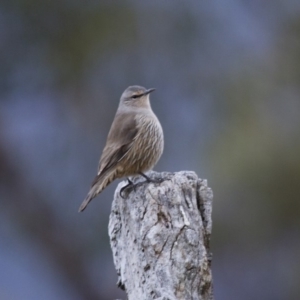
(100, 182)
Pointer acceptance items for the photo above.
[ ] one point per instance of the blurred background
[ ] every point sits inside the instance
(227, 75)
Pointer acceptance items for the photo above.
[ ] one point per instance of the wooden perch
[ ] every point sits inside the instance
(159, 235)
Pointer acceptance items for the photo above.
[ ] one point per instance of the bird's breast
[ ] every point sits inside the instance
(148, 144)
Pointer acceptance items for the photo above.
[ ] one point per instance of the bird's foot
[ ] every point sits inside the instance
(130, 184)
(148, 179)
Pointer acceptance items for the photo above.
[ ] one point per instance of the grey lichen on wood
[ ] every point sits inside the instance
(159, 235)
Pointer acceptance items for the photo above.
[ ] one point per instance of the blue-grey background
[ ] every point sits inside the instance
(227, 75)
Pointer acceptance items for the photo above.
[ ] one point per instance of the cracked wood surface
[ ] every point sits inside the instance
(159, 235)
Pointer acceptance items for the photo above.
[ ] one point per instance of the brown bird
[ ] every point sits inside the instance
(134, 144)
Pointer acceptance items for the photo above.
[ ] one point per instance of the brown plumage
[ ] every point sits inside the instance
(134, 143)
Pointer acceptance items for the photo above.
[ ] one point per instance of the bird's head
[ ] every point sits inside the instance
(136, 96)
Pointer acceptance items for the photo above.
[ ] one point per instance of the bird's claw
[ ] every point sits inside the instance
(148, 179)
(128, 185)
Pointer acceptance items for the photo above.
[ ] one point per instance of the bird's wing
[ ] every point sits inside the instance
(119, 140)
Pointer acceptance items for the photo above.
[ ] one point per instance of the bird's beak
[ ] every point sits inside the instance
(149, 91)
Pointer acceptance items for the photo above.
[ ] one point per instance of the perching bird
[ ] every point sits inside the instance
(134, 144)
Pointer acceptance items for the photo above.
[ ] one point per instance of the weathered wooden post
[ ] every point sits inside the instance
(159, 235)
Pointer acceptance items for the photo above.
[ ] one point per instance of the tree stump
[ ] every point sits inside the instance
(159, 235)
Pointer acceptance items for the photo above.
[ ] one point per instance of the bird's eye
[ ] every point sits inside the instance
(135, 96)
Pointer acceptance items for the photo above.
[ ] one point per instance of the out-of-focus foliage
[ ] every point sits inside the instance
(228, 87)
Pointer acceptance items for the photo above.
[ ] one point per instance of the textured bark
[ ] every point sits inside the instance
(159, 235)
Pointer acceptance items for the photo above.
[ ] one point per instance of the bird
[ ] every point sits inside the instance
(134, 144)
